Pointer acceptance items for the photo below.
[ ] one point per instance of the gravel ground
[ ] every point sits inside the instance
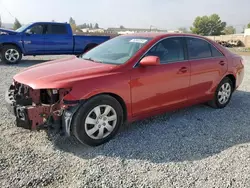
(192, 147)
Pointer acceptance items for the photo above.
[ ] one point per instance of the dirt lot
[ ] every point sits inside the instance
(193, 147)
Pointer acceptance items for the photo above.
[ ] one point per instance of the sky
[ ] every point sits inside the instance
(162, 14)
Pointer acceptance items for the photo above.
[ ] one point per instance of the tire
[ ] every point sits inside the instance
(13, 51)
(218, 101)
(82, 125)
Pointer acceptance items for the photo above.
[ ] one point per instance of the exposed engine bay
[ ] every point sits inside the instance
(36, 109)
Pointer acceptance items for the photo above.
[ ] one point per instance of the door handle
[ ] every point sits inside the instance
(222, 63)
(183, 70)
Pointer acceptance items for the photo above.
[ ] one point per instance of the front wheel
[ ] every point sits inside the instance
(98, 120)
(223, 94)
(11, 54)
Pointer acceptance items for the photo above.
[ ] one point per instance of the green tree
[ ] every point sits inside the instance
(122, 27)
(96, 26)
(229, 30)
(0, 21)
(17, 24)
(82, 26)
(90, 26)
(248, 25)
(72, 23)
(208, 25)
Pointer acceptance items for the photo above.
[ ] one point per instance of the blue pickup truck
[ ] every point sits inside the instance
(44, 38)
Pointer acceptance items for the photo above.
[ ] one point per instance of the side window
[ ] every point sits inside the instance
(36, 29)
(168, 50)
(57, 29)
(215, 52)
(198, 48)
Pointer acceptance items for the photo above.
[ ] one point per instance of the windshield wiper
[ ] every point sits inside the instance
(90, 59)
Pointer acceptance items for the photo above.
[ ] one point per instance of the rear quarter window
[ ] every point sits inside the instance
(215, 52)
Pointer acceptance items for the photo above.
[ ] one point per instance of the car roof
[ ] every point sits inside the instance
(162, 35)
(49, 23)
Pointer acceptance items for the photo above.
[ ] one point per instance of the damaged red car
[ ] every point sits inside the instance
(127, 78)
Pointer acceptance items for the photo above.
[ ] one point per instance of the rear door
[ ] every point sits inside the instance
(208, 65)
(58, 40)
(33, 39)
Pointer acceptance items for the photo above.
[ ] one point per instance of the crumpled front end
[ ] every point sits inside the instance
(35, 108)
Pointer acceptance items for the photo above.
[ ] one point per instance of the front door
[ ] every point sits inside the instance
(164, 85)
(33, 39)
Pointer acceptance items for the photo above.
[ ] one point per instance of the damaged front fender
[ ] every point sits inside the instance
(67, 118)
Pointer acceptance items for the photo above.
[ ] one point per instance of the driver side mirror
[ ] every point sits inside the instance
(150, 61)
(28, 32)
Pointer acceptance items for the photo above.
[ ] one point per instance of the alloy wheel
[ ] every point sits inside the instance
(224, 93)
(12, 55)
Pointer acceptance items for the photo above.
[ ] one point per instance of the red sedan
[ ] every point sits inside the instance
(127, 78)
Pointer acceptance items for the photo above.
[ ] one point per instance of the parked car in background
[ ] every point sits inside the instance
(44, 38)
(127, 78)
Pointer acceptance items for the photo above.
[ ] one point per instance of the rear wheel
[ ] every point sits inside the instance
(223, 94)
(98, 120)
(11, 54)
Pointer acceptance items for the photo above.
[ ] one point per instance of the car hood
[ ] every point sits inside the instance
(61, 73)
(8, 31)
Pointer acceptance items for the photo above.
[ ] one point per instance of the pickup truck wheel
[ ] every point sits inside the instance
(11, 54)
(98, 120)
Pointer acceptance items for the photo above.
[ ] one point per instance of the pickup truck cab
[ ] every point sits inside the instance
(44, 38)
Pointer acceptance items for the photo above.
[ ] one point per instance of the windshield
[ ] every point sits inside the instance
(21, 29)
(117, 50)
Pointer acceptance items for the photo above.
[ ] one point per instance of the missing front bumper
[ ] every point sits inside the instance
(35, 116)
(18, 111)
(29, 115)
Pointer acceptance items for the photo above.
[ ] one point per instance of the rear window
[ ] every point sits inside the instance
(198, 48)
(57, 29)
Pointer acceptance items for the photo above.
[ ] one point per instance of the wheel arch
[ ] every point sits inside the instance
(14, 44)
(233, 79)
(119, 99)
